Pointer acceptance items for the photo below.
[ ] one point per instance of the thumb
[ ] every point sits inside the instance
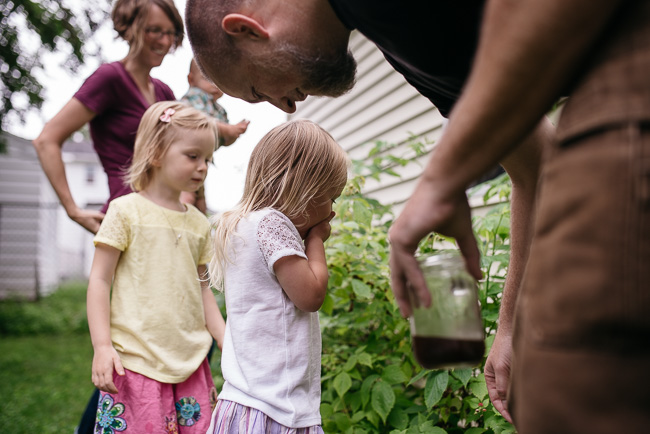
(118, 366)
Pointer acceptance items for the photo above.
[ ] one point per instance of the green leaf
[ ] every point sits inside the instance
(373, 418)
(342, 383)
(357, 417)
(398, 419)
(435, 387)
(326, 410)
(420, 374)
(428, 428)
(361, 289)
(392, 374)
(475, 430)
(383, 399)
(351, 363)
(365, 359)
(478, 387)
(366, 387)
(463, 375)
(361, 214)
(328, 304)
(342, 421)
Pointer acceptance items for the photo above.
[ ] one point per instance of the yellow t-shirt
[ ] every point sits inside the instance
(157, 320)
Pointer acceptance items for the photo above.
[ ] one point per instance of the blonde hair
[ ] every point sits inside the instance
(292, 165)
(130, 16)
(154, 137)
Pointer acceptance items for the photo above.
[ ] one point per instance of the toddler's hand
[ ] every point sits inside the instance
(105, 361)
(323, 229)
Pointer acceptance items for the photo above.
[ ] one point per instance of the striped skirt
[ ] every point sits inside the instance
(231, 418)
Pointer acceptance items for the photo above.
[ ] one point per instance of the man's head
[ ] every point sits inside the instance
(254, 62)
(196, 79)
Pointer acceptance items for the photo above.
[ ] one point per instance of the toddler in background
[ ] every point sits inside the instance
(203, 95)
(275, 282)
(152, 333)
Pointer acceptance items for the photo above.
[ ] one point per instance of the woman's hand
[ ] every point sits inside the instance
(88, 219)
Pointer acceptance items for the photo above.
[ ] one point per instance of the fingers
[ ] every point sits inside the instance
(497, 375)
(407, 281)
(118, 366)
(102, 373)
(103, 380)
(469, 250)
(90, 220)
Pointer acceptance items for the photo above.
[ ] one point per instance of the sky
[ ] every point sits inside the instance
(225, 180)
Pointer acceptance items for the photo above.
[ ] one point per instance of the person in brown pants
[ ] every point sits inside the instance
(572, 351)
(573, 357)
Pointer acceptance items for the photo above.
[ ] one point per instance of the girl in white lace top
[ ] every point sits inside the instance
(270, 260)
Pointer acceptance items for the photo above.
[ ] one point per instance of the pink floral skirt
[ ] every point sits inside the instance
(143, 405)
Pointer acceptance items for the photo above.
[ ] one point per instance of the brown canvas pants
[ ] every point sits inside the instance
(581, 350)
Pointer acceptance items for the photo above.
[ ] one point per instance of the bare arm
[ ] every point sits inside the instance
(305, 280)
(527, 52)
(99, 318)
(523, 165)
(213, 319)
(231, 132)
(48, 146)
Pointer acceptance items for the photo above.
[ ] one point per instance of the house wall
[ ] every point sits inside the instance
(382, 106)
(39, 245)
(28, 220)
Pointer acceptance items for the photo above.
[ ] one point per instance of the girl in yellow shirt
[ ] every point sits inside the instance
(151, 334)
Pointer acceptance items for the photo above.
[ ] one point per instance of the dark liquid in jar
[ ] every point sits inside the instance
(432, 353)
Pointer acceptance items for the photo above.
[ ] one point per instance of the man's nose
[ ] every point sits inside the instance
(285, 104)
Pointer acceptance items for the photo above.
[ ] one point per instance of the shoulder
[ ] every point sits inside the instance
(128, 201)
(165, 90)
(272, 224)
(277, 237)
(108, 71)
(93, 92)
(270, 216)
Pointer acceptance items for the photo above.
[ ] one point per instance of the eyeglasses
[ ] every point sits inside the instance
(157, 33)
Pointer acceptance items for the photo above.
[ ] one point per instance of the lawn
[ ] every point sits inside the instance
(45, 359)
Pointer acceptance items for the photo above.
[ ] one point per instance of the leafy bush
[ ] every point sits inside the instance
(371, 382)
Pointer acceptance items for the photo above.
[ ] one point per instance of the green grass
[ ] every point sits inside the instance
(45, 382)
(45, 361)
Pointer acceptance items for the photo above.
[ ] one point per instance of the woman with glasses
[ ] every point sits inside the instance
(112, 100)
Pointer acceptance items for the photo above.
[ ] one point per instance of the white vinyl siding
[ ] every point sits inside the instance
(382, 106)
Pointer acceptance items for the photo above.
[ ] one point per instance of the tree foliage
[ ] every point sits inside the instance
(31, 28)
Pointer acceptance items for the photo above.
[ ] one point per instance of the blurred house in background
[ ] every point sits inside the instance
(39, 245)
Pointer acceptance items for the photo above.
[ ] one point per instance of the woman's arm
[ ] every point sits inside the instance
(99, 317)
(48, 146)
(213, 319)
(305, 280)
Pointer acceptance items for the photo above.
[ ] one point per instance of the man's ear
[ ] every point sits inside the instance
(238, 25)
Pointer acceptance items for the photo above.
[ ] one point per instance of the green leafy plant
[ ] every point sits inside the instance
(371, 382)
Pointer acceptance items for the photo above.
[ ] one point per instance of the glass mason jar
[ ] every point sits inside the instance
(449, 333)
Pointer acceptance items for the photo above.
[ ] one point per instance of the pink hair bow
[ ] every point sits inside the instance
(167, 115)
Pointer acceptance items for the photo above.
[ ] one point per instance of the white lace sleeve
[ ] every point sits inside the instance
(277, 237)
